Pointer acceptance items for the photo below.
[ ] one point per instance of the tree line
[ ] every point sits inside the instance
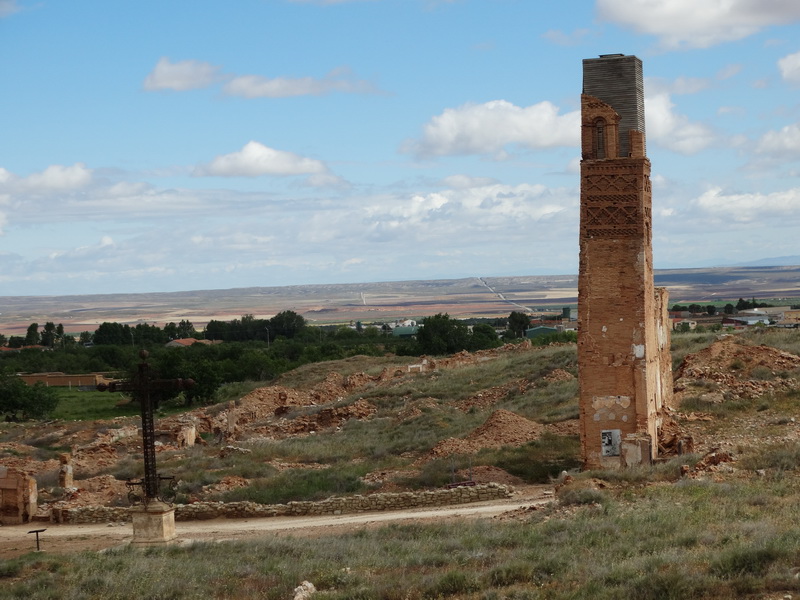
(253, 349)
(728, 309)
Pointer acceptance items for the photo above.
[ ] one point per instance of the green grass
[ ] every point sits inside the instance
(686, 540)
(302, 484)
(76, 405)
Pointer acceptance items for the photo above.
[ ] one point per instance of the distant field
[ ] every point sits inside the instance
(370, 302)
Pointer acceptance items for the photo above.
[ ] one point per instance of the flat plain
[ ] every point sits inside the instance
(323, 304)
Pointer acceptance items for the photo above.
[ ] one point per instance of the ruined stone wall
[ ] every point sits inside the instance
(331, 506)
(18, 496)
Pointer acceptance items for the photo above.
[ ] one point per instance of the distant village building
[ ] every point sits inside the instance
(540, 330)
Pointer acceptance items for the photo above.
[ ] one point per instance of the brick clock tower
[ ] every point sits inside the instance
(623, 334)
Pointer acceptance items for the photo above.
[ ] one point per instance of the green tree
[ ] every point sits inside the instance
(48, 336)
(19, 400)
(32, 337)
(286, 323)
(483, 337)
(85, 337)
(518, 322)
(3, 340)
(186, 329)
(113, 334)
(217, 330)
(728, 309)
(171, 331)
(440, 334)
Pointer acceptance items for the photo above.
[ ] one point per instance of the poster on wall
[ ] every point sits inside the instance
(610, 441)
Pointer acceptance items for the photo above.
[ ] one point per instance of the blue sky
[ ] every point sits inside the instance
(163, 146)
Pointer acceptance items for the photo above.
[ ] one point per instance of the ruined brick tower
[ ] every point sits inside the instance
(623, 336)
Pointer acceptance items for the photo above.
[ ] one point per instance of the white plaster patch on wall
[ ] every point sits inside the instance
(600, 402)
(638, 350)
(662, 336)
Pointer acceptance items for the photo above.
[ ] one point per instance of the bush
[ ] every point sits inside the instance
(454, 582)
(782, 457)
(538, 461)
(300, 484)
(575, 496)
(745, 560)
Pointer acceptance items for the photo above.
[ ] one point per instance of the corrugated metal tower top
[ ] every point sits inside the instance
(617, 80)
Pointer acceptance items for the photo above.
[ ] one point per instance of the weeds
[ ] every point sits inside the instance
(301, 484)
(688, 540)
(779, 457)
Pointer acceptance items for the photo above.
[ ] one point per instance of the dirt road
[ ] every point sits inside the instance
(58, 538)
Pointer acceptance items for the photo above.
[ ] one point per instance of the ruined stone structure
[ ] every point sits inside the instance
(623, 332)
(329, 506)
(18, 496)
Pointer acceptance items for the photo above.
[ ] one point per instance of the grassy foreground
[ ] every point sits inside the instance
(649, 534)
(685, 539)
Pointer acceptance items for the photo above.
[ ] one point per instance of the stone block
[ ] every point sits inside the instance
(153, 524)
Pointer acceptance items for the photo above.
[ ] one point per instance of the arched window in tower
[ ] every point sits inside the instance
(599, 138)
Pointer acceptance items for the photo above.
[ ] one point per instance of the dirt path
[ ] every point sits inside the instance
(15, 539)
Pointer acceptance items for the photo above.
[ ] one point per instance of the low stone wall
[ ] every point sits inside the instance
(331, 506)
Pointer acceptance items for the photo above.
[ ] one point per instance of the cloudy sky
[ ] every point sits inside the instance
(197, 144)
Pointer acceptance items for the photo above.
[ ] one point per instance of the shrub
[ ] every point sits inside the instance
(300, 484)
(538, 461)
(574, 496)
(509, 574)
(782, 457)
(745, 560)
(454, 582)
(762, 373)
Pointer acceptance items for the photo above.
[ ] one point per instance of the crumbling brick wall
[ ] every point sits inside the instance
(623, 336)
(18, 496)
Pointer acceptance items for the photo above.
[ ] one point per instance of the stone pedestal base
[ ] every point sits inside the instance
(153, 524)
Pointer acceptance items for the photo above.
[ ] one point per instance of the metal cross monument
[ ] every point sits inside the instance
(147, 390)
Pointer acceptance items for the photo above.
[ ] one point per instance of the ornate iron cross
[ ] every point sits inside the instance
(147, 390)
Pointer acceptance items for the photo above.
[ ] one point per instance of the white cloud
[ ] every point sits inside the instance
(257, 86)
(729, 71)
(751, 207)
(674, 131)
(326, 180)
(463, 182)
(781, 144)
(691, 24)
(736, 111)
(560, 38)
(8, 7)
(681, 85)
(182, 75)
(483, 207)
(790, 68)
(256, 159)
(488, 128)
(58, 177)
